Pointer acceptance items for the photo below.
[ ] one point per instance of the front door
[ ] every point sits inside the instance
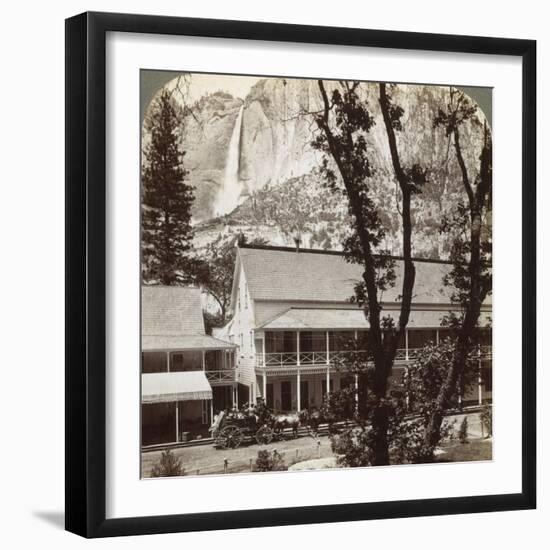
(286, 396)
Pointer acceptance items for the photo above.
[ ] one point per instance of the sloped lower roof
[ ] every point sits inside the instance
(286, 275)
(171, 311)
(350, 319)
(318, 319)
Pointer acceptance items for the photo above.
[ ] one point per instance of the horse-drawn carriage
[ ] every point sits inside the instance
(256, 423)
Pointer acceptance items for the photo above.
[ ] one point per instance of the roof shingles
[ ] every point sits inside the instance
(286, 275)
(171, 319)
(171, 311)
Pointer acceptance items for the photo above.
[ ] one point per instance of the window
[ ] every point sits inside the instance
(259, 343)
(312, 341)
(280, 342)
(153, 361)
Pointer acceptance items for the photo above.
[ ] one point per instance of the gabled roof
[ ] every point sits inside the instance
(286, 275)
(171, 311)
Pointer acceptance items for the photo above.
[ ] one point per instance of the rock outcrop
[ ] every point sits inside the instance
(279, 186)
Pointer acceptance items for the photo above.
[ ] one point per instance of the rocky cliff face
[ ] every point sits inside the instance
(276, 173)
(276, 135)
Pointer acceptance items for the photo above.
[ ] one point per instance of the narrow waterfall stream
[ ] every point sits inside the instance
(227, 198)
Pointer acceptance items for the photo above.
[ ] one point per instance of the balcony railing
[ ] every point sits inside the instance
(287, 359)
(226, 375)
(306, 358)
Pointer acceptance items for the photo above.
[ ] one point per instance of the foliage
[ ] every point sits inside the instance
(463, 431)
(212, 320)
(353, 447)
(486, 418)
(270, 461)
(168, 465)
(429, 371)
(339, 406)
(471, 253)
(166, 199)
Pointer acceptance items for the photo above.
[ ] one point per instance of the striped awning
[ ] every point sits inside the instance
(166, 387)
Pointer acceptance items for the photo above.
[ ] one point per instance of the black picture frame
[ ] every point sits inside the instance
(86, 284)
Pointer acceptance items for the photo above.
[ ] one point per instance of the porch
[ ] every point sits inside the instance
(178, 411)
(290, 364)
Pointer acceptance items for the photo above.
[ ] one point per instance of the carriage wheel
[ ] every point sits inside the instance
(264, 435)
(230, 437)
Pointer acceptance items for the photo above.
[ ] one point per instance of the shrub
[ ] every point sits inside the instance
(270, 462)
(168, 465)
(463, 430)
(353, 447)
(486, 418)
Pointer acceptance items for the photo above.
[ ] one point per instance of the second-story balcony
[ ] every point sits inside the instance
(287, 349)
(221, 376)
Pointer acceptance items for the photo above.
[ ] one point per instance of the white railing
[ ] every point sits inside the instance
(307, 358)
(313, 357)
(226, 375)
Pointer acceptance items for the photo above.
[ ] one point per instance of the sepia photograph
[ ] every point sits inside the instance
(316, 274)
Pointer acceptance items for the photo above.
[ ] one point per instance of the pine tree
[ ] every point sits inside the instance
(166, 199)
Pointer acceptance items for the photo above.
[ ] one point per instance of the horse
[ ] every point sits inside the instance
(286, 420)
(311, 418)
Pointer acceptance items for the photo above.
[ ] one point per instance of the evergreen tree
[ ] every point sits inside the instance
(166, 199)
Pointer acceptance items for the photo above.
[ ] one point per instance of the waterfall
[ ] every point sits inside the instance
(227, 198)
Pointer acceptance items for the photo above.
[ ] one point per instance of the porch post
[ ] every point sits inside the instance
(328, 382)
(177, 420)
(167, 361)
(437, 337)
(298, 391)
(236, 402)
(479, 389)
(264, 389)
(328, 340)
(356, 393)
(211, 410)
(298, 347)
(203, 361)
(406, 344)
(263, 349)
